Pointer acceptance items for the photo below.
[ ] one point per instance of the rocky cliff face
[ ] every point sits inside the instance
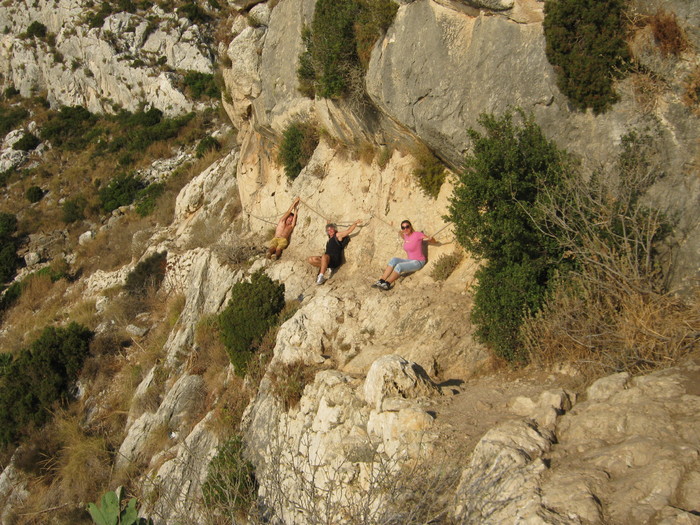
(397, 405)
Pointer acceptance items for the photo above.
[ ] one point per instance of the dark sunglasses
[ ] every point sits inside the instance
(405, 226)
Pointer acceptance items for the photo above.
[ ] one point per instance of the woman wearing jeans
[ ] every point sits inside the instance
(413, 244)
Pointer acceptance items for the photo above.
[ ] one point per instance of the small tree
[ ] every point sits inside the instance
(492, 208)
(299, 142)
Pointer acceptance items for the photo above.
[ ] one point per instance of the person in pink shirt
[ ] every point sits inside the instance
(413, 245)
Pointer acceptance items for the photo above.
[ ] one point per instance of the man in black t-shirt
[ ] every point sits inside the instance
(333, 257)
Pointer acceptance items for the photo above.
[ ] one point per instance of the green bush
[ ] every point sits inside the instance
(338, 45)
(206, 145)
(299, 141)
(193, 13)
(27, 143)
(40, 378)
(121, 191)
(430, 172)
(34, 194)
(36, 30)
(231, 487)
(201, 84)
(585, 41)
(492, 208)
(251, 311)
(10, 92)
(10, 117)
(148, 273)
(505, 294)
(73, 210)
(143, 128)
(69, 127)
(376, 16)
(333, 51)
(147, 198)
(9, 262)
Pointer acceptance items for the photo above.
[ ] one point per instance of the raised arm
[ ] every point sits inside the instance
(341, 235)
(292, 208)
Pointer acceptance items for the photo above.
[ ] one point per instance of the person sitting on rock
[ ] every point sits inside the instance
(413, 245)
(283, 232)
(333, 256)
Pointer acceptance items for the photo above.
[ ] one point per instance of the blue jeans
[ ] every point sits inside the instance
(405, 265)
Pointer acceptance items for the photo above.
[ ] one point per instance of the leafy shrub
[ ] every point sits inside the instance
(147, 198)
(34, 194)
(251, 311)
(668, 34)
(201, 84)
(430, 172)
(110, 511)
(121, 191)
(27, 143)
(148, 273)
(299, 141)
(231, 488)
(8, 247)
(586, 44)
(10, 296)
(206, 145)
(68, 127)
(193, 13)
(41, 377)
(492, 208)
(445, 265)
(11, 117)
(10, 92)
(73, 210)
(339, 43)
(333, 53)
(373, 21)
(36, 30)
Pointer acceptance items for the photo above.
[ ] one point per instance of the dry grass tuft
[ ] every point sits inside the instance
(648, 89)
(691, 96)
(607, 329)
(669, 36)
(288, 381)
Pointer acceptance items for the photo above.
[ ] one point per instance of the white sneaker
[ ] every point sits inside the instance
(320, 279)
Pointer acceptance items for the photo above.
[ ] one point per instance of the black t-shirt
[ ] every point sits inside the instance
(334, 248)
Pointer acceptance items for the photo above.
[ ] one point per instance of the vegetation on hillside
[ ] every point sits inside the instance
(338, 45)
(252, 310)
(299, 140)
(586, 44)
(492, 209)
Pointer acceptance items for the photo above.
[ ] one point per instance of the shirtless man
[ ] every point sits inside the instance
(284, 230)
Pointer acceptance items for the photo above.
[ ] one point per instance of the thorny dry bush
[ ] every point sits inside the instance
(613, 311)
(364, 485)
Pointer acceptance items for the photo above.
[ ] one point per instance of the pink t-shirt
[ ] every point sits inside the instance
(413, 244)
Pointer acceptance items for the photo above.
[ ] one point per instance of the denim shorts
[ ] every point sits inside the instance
(406, 265)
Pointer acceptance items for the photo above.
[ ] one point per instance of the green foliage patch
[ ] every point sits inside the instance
(201, 85)
(147, 198)
(73, 210)
(9, 262)
(231, 487)
(445, 265)
(206, 145)
(299, 140)
(253, 308)
(11, 117)
(39, 379)
(430, 172)
(69, 127)
(36, 30)
(27, 143)
(339, 42)
(121, 191)
(492, 207)
(34, 194)
(585, 41)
